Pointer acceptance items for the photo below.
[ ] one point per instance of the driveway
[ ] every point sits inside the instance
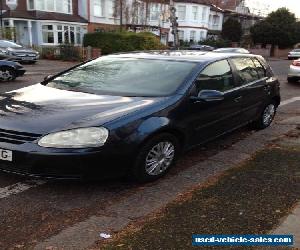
(70, 215)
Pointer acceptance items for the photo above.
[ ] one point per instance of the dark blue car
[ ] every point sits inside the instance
(132, 113)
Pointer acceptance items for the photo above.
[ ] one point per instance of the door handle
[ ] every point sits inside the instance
(237, 99)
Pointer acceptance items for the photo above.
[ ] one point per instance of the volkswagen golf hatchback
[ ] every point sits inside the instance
(132, 113)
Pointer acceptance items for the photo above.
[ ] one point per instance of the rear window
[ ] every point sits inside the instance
(246, 70)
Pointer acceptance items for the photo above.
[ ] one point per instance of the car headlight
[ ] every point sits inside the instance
(75, 138)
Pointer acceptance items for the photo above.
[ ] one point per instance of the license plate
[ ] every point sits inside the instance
(5, 155)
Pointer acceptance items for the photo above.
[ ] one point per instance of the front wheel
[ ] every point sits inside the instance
(155, 158)
(7, 74)
(266, 117)
(291, 79)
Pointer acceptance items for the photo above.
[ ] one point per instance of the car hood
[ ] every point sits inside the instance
(22, 50)
(40, 109)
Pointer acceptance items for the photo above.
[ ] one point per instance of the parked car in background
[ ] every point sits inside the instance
(9, 70)
(294, 54)
(294, 72)
(15, 52)
(201, 47)
(132, 113)
(232, 50)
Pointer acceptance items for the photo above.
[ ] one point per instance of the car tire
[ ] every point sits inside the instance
(266, 117)
(291, 80)
(7, 74)
(155, 158)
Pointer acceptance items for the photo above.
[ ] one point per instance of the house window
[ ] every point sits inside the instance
(180, 35)
(195, 12)
(61, 6)
(48, 34)
(154, 12)
(60, 34)
(111, 8)
(204, 14)
(202, 35)
(99, 8)
(40, 5)
(192, 36)
(30, 4)
(181, 12)
(50, 5)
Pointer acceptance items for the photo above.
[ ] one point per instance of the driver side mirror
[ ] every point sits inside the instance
(208, 96)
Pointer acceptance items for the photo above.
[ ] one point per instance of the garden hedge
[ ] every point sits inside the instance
(111, 42)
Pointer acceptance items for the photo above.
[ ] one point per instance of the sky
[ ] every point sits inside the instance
(266, 6)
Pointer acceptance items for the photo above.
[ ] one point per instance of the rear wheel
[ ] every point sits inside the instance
(266, 117)
(155, 157)
(7, 74)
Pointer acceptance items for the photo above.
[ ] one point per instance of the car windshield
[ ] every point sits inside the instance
(8, 44)
(296, 50)
(125, 77)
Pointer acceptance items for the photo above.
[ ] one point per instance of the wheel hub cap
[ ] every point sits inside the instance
(269, 114)
(160, 158)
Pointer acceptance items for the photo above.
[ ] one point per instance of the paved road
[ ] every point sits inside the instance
(33, 211)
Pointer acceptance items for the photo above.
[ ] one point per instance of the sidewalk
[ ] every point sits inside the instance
(249, 199)
(291, 224)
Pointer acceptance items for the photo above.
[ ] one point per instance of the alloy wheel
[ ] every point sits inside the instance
(269, 114)
(6, 75)
(159, 158)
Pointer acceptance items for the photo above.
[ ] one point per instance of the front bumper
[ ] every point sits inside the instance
(65, 164)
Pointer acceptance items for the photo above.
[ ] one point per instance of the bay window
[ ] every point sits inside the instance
(99, 8)
(54, 34)
(195, 13)
(61, 6)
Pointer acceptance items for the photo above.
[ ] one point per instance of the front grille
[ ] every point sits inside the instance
(24, 54)
(16, 137)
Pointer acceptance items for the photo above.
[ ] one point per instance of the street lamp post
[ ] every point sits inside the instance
(1, 17)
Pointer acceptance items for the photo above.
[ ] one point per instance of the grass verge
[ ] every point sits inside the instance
(250, 199)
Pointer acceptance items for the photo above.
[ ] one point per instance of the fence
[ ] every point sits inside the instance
(68, 52)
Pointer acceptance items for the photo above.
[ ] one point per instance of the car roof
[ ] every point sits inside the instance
(180, 55)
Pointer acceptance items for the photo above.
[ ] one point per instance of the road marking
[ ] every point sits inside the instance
(19, 188)
(291, 100)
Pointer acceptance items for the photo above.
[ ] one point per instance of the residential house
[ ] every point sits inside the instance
(45, 22)
(246, 19)
(215, 22)
(137, 16)
(196, 18)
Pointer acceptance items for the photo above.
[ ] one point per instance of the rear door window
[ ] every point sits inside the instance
(246, 70)
(216, 76)
(259, 68)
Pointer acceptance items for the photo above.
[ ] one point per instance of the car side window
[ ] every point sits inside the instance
(216, 76)
(259, 68)
(246, 70)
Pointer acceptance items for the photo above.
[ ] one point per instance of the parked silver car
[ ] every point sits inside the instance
(232, 50)
(15, 52)
(294, 54)
(294, 72)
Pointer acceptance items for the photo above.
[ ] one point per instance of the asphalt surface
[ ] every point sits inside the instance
(31, 213)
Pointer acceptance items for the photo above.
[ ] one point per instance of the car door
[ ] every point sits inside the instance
(251, 76)
(208, 119)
